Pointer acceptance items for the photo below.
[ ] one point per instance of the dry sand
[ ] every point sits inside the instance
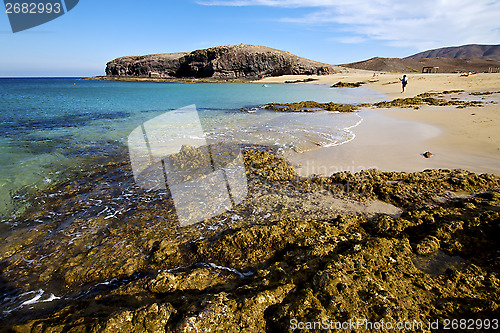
(395, 139)
(389, 84)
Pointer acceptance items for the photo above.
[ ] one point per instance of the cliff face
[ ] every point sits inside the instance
(144, 65)
(224, 62)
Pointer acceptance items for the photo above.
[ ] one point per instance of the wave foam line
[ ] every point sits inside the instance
(347, 130)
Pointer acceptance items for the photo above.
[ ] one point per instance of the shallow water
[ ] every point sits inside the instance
(437, 263)
(50, 126)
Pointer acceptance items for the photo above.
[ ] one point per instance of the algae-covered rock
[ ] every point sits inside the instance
(196, 279)
(341, 84)
(223, 313)
(427, 246)
(269, 166)
(427, 154)
(310, 106)
(375, 280)
(428, 99)
(150, 319)
(113, 258)
(386, 225)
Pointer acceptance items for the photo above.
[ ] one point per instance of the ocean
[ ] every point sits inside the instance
(54, 128)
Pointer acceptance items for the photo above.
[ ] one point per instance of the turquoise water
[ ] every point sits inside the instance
(48, 126)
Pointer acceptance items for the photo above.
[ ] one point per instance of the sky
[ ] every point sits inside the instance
(82, 41)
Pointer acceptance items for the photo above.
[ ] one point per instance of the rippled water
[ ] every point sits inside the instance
(49, 126)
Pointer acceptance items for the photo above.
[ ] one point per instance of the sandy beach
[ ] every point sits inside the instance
(395, 139)
(389, 84)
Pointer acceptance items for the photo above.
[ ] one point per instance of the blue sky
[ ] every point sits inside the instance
(80, 42)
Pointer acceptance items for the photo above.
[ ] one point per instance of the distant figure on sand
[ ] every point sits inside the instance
(404, 82)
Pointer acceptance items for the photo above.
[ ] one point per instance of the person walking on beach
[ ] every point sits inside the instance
(404, 82)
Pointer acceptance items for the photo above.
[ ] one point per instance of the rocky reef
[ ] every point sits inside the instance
(428, 98)
(311, 106)
(221, 62)
(341, 84)
(99, 254)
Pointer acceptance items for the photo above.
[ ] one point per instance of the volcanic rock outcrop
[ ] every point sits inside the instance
(221, 62)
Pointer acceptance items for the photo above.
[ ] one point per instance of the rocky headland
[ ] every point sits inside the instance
(230, 62)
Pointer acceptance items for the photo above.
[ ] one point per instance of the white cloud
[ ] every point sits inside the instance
(421, 24)
(350, 39)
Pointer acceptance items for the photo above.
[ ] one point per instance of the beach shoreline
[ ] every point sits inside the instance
(395, 139)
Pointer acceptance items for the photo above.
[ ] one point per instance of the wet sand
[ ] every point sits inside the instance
(395, 139)
(470, 131)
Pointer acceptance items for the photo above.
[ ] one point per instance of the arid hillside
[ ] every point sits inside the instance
(446, 65)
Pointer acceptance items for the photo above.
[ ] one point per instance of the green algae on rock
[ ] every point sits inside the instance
(309, 79)
(118, 259)
(483, 93)
(310, 106)
(428, 99)
(341, 84)
(416, 102)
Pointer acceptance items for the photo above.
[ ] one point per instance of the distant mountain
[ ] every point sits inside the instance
(221, 62)
(446, 65)
(474, 58)
(473, 51)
